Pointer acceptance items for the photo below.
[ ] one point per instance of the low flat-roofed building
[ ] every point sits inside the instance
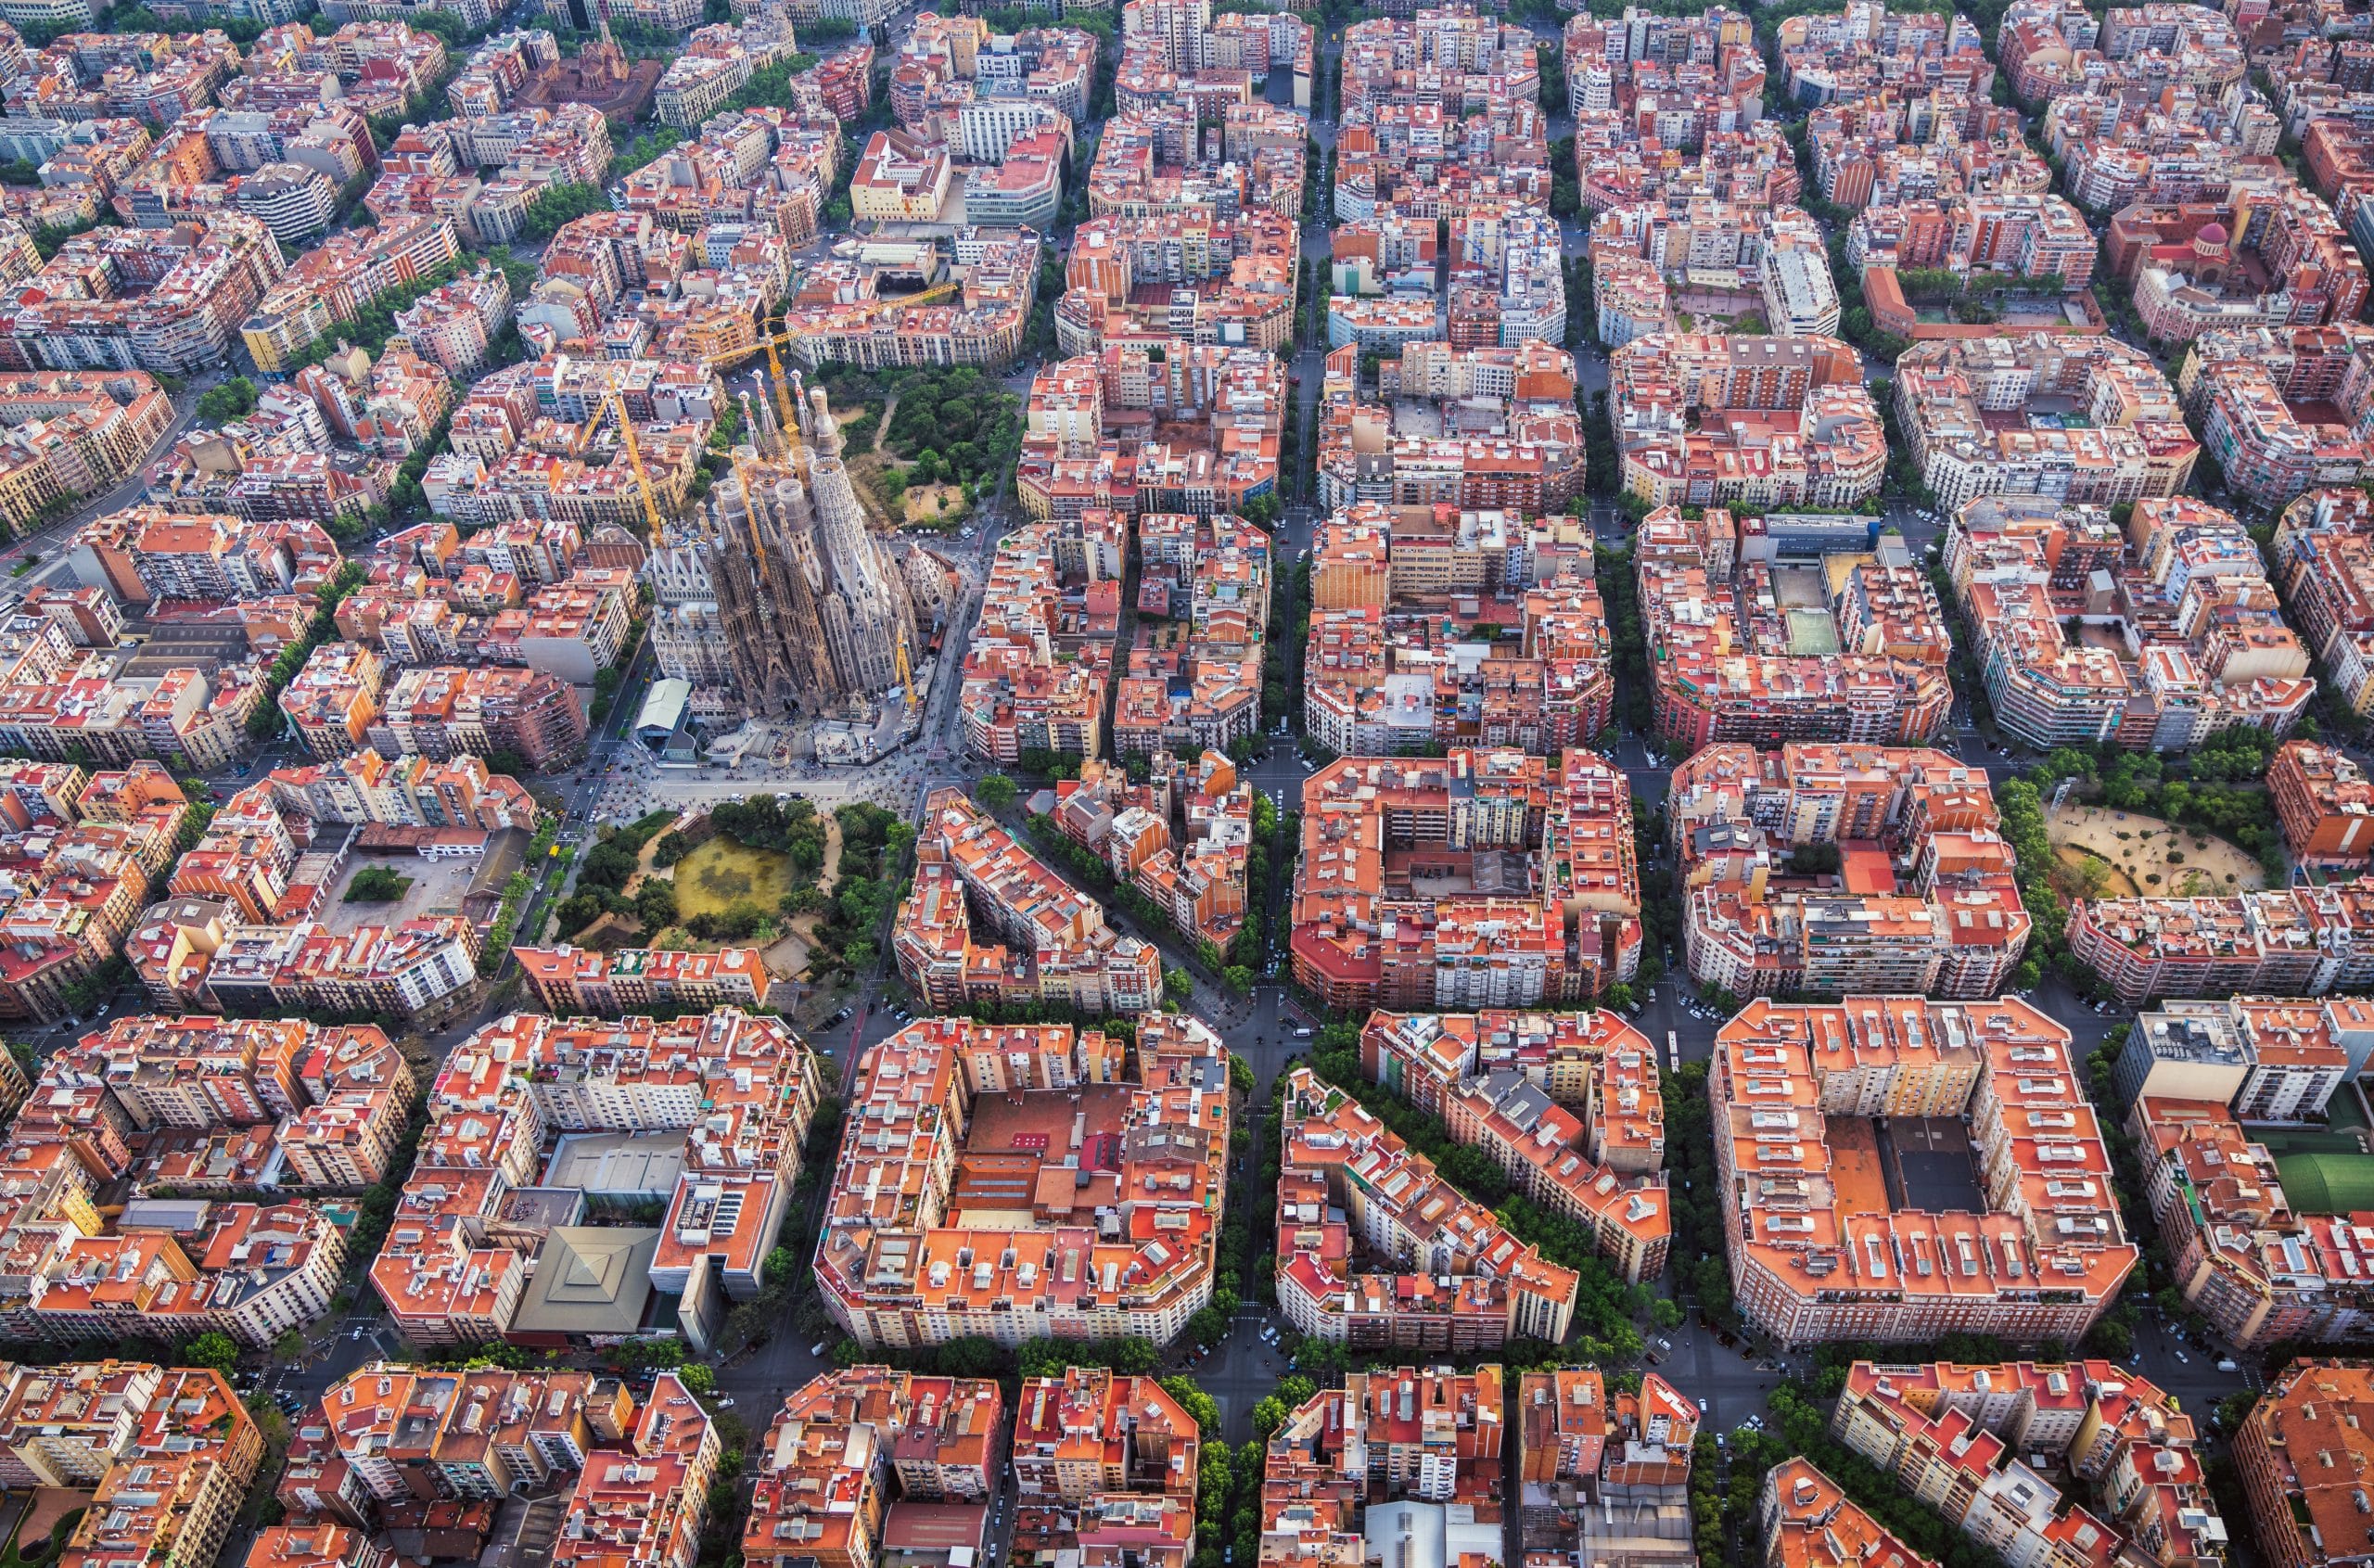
(589, 1280)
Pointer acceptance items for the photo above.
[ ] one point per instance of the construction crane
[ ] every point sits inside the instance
(906, 669)
(774, 332)
(618, 408)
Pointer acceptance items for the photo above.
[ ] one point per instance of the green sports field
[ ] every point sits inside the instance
(2328, 1183)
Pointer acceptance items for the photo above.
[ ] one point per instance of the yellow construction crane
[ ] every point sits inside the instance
(618, 408)
(774, 332)
(906, 670)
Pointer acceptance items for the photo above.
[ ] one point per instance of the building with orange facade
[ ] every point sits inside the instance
(1828, 1241)
(1960, 1438)
(1395, 1447)
(1607, 1470)
(1772, 628)
(1925, 897)
(1808, 1522)
(825, 1490)
(1026, 1181)
(2302, 1454)
(1484, 878)
(2325, 803)
(1047, 939)
(1349, 1189)
(1567, 1103)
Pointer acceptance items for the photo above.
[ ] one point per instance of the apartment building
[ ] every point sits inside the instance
(367, 788)
(148, 554)
(1344, 1173)
(1050, 940)
(452, 324)
(1952, 398)
(2028, 1245)
(576, 981)
(205, 1100)
(2323, 801)
(1925, 899)
(1808, 1522)
(2293, 941)
(910, 1255)
(1038, 671)
(1092, 1432)
(825, 1490)
(1183, 838)
(2301, 1452)
(2178, 636)
(837, 316)
(167, 302)
(1506, 1083)
(334, 700)
(1741, 656)
(2263, 396)
(77, 882)
(634, 1474)
(732, 1094)
(170, 1478)
(1206, 278)
(1479, 879)
(2323, 568)
(956, 80)
(1508, 437)
(198, 953)
(1398, 1448)
(1221, 410)
(1615, 1463)
(2269, 1059)
(1955, 1437)
(1194, 676)
(2241, 1257)
(444, 711)
(1688, 409)
(770, 165)
(1153, 161)
(72, 435)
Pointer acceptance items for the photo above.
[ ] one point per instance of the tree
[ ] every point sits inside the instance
(697, 1378)
(995, 791)
(1237, 979)
(655, 904)
(1666, 1314)
(556, 205)
(377, 885)
(212, 1348)
(218, 405)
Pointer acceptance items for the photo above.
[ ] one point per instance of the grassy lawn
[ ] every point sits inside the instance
(2328, 1183)
(722, 873)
